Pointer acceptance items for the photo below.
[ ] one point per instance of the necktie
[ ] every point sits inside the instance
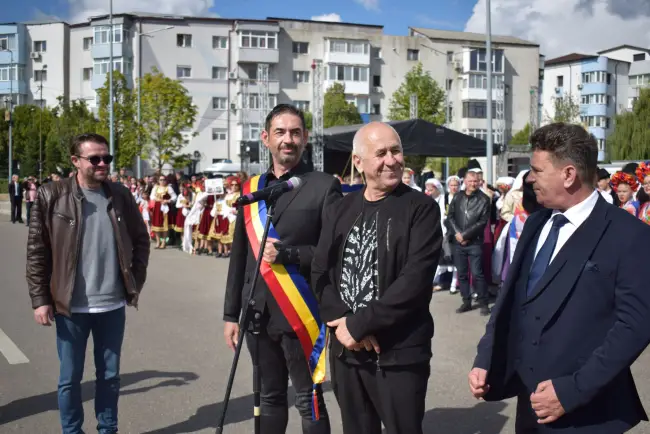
(545, 254)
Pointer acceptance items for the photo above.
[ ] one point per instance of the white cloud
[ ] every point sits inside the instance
(81, 10)
(334, 18)
(371, 5)
(567, 26)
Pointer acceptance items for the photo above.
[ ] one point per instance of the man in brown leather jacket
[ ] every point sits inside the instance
(87, 256)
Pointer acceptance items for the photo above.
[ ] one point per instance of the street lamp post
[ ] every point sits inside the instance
(488, 55)
(11, 108)
(140, 35)
(110, 85)
(40, 129)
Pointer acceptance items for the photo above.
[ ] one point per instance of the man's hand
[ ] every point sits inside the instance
(477, 385)
(342, 333)
(270, 252)
(369, 343)
(459, 237)
(545, 403)
(231, 333)
(44, 315)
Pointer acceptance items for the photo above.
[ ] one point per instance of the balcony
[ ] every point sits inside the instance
(469, 94)
(99, 80)
(258, 55)
(351, 87)
(251, 116)
(347, 58)
(253, 87)
(14, 86)
(593, 110)
(102, 51)
(591, 88)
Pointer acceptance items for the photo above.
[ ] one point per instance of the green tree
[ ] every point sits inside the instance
(28, 129)
(567, 109)
(631, 137)
(309, 120)
(166, 110)
(70, 118)
(431, 108)
(336, 110)
(522, 137)
(125, 128)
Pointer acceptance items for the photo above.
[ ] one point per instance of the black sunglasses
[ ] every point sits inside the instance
(95, 159)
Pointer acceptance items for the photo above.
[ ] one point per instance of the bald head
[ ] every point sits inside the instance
(373, 132)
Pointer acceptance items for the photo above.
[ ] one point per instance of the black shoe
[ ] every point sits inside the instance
(465, 307)
(485, 310)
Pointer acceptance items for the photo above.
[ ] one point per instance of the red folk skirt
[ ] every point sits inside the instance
(180, 220)
(159, 219)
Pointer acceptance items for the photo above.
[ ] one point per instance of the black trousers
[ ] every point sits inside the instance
(28, 208)
(17, 209)
(281, 357)
(367, 397)
(468, 258)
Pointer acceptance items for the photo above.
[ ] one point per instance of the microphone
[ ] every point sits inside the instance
(269, 192)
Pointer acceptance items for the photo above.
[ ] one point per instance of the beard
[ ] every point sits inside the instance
(288, 158)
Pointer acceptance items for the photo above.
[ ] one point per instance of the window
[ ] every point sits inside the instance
(450, 82)
(219, 73)
(479, 81)
(4, 43)
(639, 57)
(376, 80)
(220, 134)
(595, 77)
(102, 34)
(640, 80)
(88, 42)
(183, 72)
(219, 103)
(183, 40)
(87, 74)
(412, 54)
(301, 47)
(348, 73)
(376, 52)
(595, 121)
(219, 42)
(301, 76)
(560, 81)
(376, 109)
(599, 98)
(251, 132)
(8, 72)
(482, 134)
(255, 102)
(350, 47)
(302, 105)
(477, 109)
(601, 144)
(361, 102)
(100, 66)
(478, 62)
(40, 75)
(265, 40)
(40, 46)
(450, 56)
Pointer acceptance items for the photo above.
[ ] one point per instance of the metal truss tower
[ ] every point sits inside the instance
(500, 127)
(244, 118)
(263, 86)
(413, 106)
(317, 141)
(534, 109)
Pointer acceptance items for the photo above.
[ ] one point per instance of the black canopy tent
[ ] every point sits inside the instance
(418, 136)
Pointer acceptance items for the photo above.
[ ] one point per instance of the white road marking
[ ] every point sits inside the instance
(11, 352)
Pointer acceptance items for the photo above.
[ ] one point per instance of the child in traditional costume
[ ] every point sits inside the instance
(234, 192)
(162, 194)
(643, 195)
(625, 185)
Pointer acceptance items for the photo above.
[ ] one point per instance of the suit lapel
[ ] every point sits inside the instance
(286, 199)
(528, 236)
(572, 257)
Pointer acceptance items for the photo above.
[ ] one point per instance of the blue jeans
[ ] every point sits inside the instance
(71, 339)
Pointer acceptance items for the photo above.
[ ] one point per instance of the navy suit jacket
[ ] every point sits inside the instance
(586, 322)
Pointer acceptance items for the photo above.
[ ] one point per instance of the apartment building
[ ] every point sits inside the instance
(220, 62)
(599, 83)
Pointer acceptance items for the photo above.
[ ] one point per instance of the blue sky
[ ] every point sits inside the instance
(395, 16)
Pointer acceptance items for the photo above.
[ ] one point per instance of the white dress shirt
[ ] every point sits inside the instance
(607, 195)
(576, 215)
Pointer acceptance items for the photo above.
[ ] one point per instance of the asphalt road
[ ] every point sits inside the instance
(175, 364)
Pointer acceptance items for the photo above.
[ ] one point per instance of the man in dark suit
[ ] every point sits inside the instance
(574, 311)
(16, 199)
(297, 220)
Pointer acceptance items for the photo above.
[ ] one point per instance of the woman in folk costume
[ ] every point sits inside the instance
(433, 188)
(408, 179)
(511, 204)
(219, 225)
(625, 185)
(643, 195)
(192, 220)
(503, 184)
(183, 206)
(162, 194)
(203, 243)
(234, 192)
(453, 187)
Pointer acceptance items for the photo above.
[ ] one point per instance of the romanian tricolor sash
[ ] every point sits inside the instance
(290, 290)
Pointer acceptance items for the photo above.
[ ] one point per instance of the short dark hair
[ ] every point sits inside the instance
(75, 146)
(281, 109)
(569, 143)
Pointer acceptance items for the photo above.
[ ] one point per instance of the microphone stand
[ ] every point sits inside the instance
(250, 320)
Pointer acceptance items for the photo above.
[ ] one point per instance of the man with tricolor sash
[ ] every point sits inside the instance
(372, 273)
(292, 336)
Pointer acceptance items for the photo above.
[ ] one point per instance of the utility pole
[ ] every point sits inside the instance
(10, 118)
(40, 128)
(110, 85)
(317, 139)
(488, 58)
